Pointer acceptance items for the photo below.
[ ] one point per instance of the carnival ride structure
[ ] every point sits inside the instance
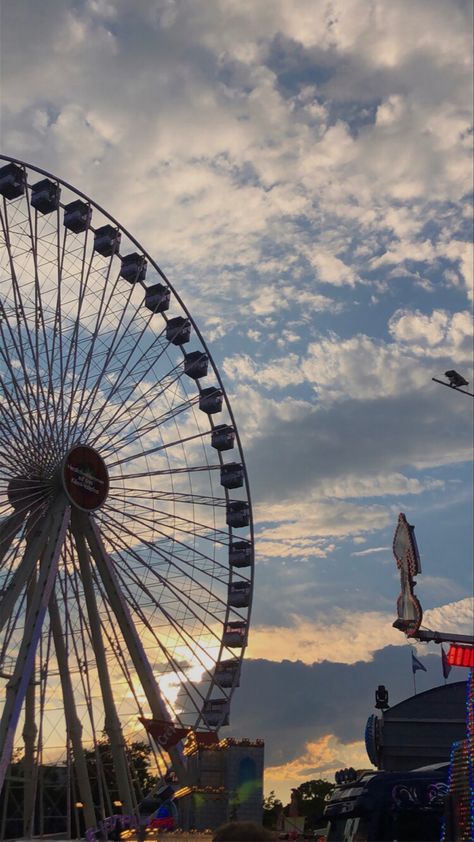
(126, 540)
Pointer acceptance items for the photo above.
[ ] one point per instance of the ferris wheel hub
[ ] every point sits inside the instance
(85, 478)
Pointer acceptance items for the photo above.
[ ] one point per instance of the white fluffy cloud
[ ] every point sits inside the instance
(352, 636)
(195, 127)
(348, 638)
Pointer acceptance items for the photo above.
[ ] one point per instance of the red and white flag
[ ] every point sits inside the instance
(166, 734)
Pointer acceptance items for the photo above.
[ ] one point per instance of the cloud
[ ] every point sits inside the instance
(353, 448)
(330, 269)
(372, 550)
(348, 638)
(308, 703)
(437, 334)
(453, 617)
(245, 154)
(320, 759)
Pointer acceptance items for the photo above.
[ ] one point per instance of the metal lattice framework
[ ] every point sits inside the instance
(126, 544)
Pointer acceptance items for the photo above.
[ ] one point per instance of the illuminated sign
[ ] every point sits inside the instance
(405, 550)
(461, 656)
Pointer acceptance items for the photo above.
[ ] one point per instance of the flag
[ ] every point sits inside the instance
(165, 733)
(416, 664)
(445, 663)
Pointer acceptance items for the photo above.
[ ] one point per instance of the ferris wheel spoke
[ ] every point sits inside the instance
(73, 722)
(55, 268)
(169, 472)
(164, 524)
(78, 391)
(169, 557)
(15, 460)
(54, 529)
(188, 548)
(108, 627)
(57, 341)
(19, 399)
(134, 644)
(13, 431)
(135, 410)
(112, 721)
(40, 315)
(151, 426)
(160, 447)
(72, 355)
(17, 309)
(149, 352)
(81, 643)
(189, 642)
(35, 545)
(20, 316)
(173, 589)
(204, 531)
(199, 529)
(8, 529)
(88, 403)
(14, 396)
(139, 612)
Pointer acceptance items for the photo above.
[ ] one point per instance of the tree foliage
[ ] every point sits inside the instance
(272, 807)
(138, 758)
(311, 797)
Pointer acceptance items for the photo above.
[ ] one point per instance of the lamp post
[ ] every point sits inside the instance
(455, 381)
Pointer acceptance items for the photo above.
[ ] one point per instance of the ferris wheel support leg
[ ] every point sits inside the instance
(35, 544)
(112, 725)
(72, 720)
(8, 529)
(29, 737)
(17, 686)
(131, 637)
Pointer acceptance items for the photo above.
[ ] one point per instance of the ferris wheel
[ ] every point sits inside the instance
(126, 542)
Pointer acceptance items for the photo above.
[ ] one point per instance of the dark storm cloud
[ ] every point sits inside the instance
(290, 703)
(362, 438)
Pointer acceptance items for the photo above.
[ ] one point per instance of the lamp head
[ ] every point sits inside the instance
(456, 380)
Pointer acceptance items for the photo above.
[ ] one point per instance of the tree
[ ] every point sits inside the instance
(272, 807)
(139, 759)
(311, 797)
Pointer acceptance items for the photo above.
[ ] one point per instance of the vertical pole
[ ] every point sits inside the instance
(29, 738)
(17, 686)
(111, 722)
(131, 637)
(8, 529)
(74, 727)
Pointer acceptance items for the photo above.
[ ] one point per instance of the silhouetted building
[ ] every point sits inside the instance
(226, 784)
(419, 731)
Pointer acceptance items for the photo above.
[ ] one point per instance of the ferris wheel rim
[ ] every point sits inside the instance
(29, 167)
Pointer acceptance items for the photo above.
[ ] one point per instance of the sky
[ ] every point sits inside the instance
(302, 172)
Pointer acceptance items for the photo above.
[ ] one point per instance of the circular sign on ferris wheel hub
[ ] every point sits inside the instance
(85, 478)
